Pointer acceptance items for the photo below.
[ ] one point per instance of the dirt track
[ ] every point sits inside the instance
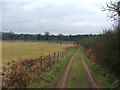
(62, 80)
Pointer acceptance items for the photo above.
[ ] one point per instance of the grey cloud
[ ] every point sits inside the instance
(19, 18)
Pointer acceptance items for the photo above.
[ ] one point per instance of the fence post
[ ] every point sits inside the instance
(49, 61)
(62, 54)
(25, 84)
(54, 58)
(41, 63)
(58, 57)
(66, 51)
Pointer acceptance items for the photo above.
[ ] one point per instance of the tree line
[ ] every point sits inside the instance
(46, 37)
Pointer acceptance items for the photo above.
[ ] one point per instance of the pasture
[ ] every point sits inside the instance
(19, 50)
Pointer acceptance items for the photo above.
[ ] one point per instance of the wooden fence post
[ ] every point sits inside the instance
(49, 63)
(43, 60)
(62, 54)
(41, 63)
(25, 84)
(58, 57)
(54, 58)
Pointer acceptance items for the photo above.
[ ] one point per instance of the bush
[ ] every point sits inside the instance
(106, 50)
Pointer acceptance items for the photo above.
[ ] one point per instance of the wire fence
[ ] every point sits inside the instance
(20, 74)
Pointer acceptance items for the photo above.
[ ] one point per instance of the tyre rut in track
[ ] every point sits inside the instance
(62, 80)
(91, 79)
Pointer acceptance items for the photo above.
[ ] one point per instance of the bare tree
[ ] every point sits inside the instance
(113, 8)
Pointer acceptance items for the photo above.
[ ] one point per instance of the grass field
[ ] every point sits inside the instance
(24, 50)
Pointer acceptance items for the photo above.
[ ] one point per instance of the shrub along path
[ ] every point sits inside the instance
(76, 74)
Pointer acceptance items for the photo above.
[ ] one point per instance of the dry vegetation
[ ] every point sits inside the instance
(22, 73)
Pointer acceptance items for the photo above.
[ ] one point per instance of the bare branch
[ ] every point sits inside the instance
(113, 8)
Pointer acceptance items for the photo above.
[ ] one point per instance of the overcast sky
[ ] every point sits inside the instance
(54, 16)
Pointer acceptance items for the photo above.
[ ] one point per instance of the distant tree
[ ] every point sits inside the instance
(39, 37)
(47, 34)
(60, 36)
(70, 37)
(0, 35)
(26, 37)
(34, 38)
(46, 37)
(11, 35)
(11, 32)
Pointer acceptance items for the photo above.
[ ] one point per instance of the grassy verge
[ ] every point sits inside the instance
(103, 80)
(77, 77)
(52, 74)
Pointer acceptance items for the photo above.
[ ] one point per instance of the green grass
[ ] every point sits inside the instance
(19, 50)
(77, 77)
(52, 74)
(99, 74)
